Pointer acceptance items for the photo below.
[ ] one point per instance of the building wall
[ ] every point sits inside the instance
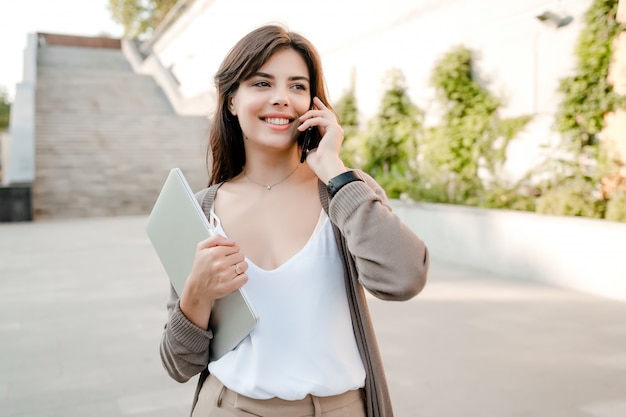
(614, 134)
(520, 58)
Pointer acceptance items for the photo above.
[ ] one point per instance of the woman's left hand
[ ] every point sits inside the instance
(324, 160)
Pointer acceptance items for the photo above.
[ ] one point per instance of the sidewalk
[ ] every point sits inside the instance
(82, 306)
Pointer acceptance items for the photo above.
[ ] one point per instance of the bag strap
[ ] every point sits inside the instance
(206, 197)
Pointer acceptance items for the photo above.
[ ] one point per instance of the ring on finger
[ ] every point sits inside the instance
(237, 270)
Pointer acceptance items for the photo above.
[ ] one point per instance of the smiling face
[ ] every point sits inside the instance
(268, 103)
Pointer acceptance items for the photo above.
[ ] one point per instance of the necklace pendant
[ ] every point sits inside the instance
(269, 187)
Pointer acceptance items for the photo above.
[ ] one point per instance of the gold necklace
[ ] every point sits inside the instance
(269, 187)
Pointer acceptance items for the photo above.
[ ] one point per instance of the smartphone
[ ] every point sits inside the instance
(311, 141)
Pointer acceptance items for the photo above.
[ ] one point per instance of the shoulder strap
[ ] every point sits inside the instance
(323, 195)
(206, 197)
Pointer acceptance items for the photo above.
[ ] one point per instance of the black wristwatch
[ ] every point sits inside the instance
(336, 183)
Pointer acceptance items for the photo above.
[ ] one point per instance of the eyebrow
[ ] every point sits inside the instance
(271, 77)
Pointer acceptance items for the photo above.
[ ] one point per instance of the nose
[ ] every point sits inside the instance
(279, 101)
(280, 97)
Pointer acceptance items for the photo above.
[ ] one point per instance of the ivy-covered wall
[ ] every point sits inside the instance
(592, 182)
(460, 159)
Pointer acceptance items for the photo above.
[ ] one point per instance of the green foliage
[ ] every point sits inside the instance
(5, 109)
(516, 197)
(391, 139)
(586, 98)
(139, 17)
(573, 197)
(616, 206)
(423, 189)
(587, 95)
(395, 184)
(348, 113)
(463, 155)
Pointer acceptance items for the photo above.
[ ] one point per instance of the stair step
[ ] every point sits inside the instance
(101, 93)
(123, 121)
(108, 101)
(79, 57)
(82, 75)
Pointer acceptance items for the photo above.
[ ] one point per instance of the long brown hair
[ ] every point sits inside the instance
(226, 152)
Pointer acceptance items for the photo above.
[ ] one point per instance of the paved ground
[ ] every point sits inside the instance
(82, 305)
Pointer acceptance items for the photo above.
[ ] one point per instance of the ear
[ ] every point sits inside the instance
(231, 106)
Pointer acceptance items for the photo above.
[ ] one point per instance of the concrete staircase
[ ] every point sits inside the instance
(106, 137)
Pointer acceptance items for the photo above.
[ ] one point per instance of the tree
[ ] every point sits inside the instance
(348, 113)
(587, 95)
(462, 156)
(139, 17)
(5, 109)
(391, 140)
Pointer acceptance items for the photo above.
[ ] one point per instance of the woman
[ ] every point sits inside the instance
(304, 238)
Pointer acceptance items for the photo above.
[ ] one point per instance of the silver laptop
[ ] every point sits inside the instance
(175, 226)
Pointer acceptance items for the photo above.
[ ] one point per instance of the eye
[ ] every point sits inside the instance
(261, 84)
(299, 87)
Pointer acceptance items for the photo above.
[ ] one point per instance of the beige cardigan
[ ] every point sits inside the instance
(379, 252)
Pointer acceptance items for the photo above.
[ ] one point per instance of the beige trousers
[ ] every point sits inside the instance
(215, 400)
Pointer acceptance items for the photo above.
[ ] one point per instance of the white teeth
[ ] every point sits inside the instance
(276, 121)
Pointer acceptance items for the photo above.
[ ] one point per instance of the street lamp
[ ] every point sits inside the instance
(549, 17)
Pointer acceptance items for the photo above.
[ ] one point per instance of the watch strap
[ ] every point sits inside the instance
(336, 183)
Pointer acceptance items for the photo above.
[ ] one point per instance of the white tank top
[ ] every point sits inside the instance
(304, 342)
